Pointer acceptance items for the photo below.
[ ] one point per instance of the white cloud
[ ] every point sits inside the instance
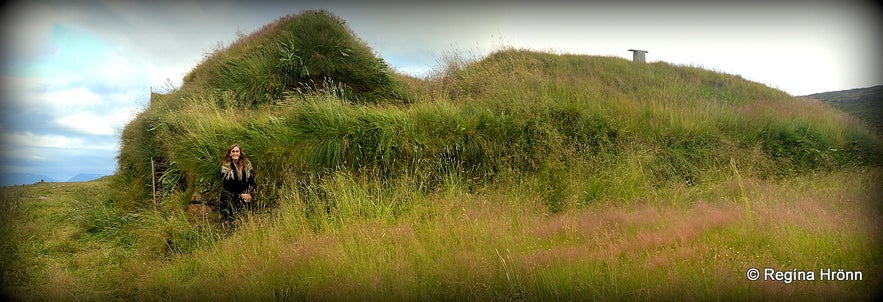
(69, 98)
(49, 94)
(116, 70)
(97, 124)
(92, 108)
(35, 157)
(29, 139)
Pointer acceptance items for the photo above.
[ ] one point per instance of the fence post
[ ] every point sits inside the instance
(153, 177)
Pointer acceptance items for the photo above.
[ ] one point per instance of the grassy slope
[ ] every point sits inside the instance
(505, 117)
(864, 103)
(523, 175)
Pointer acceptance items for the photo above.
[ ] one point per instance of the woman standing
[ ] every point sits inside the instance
(237, 175)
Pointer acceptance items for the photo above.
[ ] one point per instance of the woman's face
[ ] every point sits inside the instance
(235, 153)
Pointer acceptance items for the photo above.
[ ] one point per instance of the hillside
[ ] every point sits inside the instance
(85, 177)
(523, 175)
(864, 103)
(512, 113)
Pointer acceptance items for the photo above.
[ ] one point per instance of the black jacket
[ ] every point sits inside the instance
(234, 185)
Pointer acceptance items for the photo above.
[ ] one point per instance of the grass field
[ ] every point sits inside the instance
(63, 241)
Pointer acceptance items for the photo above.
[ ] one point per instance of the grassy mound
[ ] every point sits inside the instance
(572, 129)
(310, 51)
(515, 113)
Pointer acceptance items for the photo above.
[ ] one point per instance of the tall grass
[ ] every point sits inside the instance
(374, 240)
(678, 134)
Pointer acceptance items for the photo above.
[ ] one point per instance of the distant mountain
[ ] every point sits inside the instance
(864, 103)
(12, 179)
(85, 177)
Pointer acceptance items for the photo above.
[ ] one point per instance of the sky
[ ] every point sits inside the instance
(75, 72)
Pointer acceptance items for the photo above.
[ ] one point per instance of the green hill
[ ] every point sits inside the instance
(523, 175)
(863, 103)
(515, 113)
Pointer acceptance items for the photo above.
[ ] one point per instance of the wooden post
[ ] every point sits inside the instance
(153, 177)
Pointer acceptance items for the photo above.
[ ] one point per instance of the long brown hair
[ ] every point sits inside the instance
(243, 165)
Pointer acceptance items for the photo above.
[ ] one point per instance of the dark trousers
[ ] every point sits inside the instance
(231, 206)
